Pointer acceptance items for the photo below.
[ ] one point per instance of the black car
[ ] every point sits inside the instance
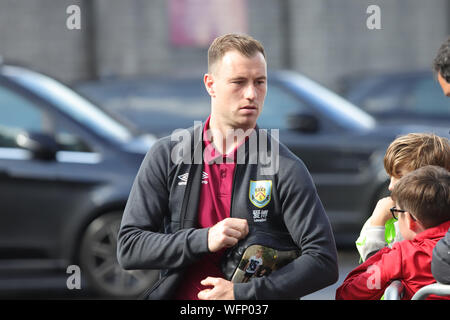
(402, 97)
(66, 170)
(342, 145)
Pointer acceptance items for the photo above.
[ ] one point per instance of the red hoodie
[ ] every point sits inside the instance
(408, 261)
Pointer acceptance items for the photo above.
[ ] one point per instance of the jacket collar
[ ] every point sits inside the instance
(198, 145)
(436, 232)
(211, 154)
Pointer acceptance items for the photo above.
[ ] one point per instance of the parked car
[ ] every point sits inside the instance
(342, 145)
(408, 97)
(66, 169)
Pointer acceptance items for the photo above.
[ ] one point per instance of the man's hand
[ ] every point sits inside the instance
(221, 289)
(381, 214)
(226, 233)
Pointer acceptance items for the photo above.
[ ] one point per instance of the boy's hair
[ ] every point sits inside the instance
(416, 150)
(244, 44)
(425, 193)
(441, 63)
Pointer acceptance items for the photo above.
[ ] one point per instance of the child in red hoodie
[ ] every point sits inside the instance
(422, 199)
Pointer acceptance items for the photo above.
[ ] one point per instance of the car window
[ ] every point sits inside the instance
(69, 140)
(18, 114)
(155, 106)
(386, 98)
(427, 98)
(72, 104)
(279, 104)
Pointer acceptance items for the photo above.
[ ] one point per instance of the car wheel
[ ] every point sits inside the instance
(99, 261)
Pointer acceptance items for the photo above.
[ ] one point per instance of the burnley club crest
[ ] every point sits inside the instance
(260, 192)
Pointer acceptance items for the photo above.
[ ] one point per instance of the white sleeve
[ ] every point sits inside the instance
(398, 235)
(370, 240)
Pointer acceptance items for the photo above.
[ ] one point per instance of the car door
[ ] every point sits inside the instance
(27, 185)
(40, 197)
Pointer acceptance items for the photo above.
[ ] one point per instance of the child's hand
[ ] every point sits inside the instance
(381, 214)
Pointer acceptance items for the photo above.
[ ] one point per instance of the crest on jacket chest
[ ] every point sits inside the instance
(260, 194)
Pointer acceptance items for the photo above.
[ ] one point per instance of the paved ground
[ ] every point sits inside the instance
(33, 287)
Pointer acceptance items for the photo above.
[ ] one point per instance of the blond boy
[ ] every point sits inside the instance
(422, 208)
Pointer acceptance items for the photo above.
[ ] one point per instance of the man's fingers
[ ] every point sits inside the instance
(240, 225)
(221, 289)
(210, 281)
(226, 233)
(203, 295)
(229, 241)
(237, 223)
(219, 241)
(234, 233)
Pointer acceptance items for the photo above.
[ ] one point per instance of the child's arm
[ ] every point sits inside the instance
(370, 240)
(369, 280)
(373, 234)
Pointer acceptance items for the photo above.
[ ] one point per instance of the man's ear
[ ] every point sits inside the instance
(209, 84)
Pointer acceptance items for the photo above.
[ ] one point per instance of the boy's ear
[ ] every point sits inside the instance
(413, 224)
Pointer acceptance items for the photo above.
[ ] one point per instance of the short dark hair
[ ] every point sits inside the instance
(441, 63)
(425, 193)
(242, 43)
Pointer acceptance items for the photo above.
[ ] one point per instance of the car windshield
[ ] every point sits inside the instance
(328, 103)
(71, 103)
(158, 105)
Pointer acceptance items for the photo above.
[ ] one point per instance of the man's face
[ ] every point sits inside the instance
(238, 87)
(444, 85)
